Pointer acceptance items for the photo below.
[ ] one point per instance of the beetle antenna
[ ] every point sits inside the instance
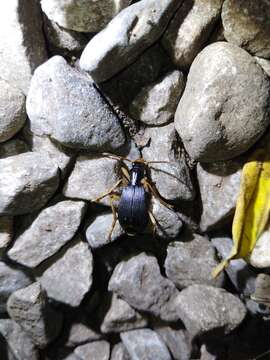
(116, 157)
(157, 162)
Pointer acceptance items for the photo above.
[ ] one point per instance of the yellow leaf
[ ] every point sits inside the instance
(252, 207)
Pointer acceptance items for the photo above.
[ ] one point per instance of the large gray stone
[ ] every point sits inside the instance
(30, 309)
(126, 37)
(64, 104)
(6, 231)
(53, 228)
(119, 352)
(11, 279)
(12, 110)
(138, 281)
(246, 24)
(214, 110)
(27, 182)
(145, 344)
(97, 350)
(156, 103)
(80, 333)
(22, 46)
(83, 15)
(172, 179)
(192, 262)
(70, 277)
(265, 64)
(205, 309)
(189, 30)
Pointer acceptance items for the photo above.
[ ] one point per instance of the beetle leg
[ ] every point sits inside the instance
(153, 222)
(112, 197)
(108, 192)
(125, 173)
(116, 157)
(152, 189)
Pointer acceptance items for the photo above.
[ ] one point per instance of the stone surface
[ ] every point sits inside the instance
(145, 344)
(182, 271)
(92, 177)
(83, 15)
(265, 64)
(54, 227)
(122, 317)
(6, 231)
(12, 110)
(246, 24)
(205, 309)
(138, 281)
(22, 44)
(126, 37)
(59, 94)
(19, 343)
(11, 279)
(156, 103)
(260, 256)
(262, 289)
(189, 29)
(81, 333)
(97, 233)
(119, 352)
(98, 350)
(214, 110)
(171, 179)
(13, 147)
(30, 309)
(70, 277)
(219, 184)
(29, 187)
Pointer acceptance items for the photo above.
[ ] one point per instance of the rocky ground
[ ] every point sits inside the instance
(185, 82)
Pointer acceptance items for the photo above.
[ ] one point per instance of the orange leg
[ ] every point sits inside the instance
(155, 193)
(109, 192)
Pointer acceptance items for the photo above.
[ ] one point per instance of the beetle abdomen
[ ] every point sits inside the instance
(132, 210)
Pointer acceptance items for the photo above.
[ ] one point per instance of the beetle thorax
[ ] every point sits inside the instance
(137, 173)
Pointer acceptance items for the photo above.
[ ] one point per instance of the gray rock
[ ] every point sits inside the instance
(122, 317)
(53, 228)
(219, 184)
(92, 177)
(70, 277)
(19, 343)
(83, 16)
(260, 256)
(6, 231)
(30, 309)
(81, 333)
(11, 279)
(189, 30)
(59, 94)
(183, 271)
(156, 103)
(212, 102)
(265, 64)
(22, 46)
(97, 233)
(126, 37)
(205, 309)
(29, 187)
(262, 289)
(138, 281)
(145, 344)
(119, 352)
(171, 179)
(12, 110)
(13, 147)
(246, 24)
(97, 350)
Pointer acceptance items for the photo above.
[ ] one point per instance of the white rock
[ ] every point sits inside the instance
(260, 256)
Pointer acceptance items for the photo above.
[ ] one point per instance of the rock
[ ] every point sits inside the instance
(265, 64)
(11, 279)
(145, 344)
(81, 333)
(183, 271)
(12, 110)
(212, 101)
(172, 180)
(92, 177)
(29, 187)
(70, 277)
(59, 94)
(19, 343)
(126, 37)
(30, 309)
(138, 282)
(98, 350)
(54, 227)
(122, 317)
(219, 184)
(246, 24)
(156, 103)
(189, 29)
(260, 256)
(83, 16)
(6, 231)
(97, 233)
(13, 147)
(205, 310)
(119, 352)
(22, 46)
(262, 290)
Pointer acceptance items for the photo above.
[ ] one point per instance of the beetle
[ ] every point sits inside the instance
(133, 209)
